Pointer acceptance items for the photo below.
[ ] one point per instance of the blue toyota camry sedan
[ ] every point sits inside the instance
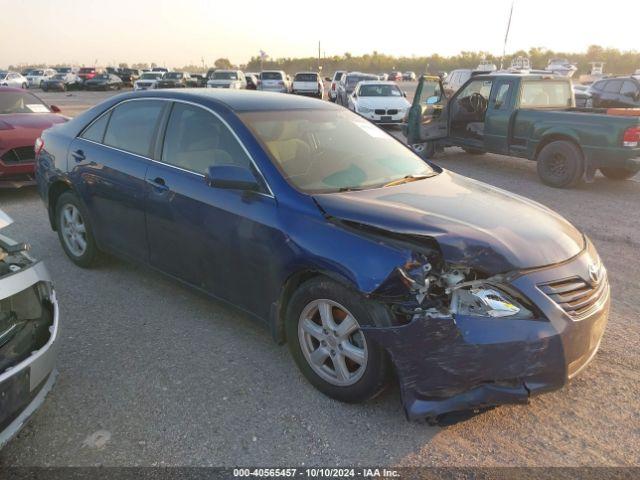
(360, 256)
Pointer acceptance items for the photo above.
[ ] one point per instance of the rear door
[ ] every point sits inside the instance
(611, 94)
(427, 116)
(630, 94)
(107, 164)
(497, 123)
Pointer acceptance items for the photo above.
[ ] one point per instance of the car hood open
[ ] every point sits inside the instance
(476, 225)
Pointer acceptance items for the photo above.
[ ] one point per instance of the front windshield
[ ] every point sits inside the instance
(19, 102)
(173, 75)
(380, 90)
(225, 76)
(60, 76)
(151, 76)
(323, 151)
(102, 76)
(86, 70)
(36, 73)
(64, 70)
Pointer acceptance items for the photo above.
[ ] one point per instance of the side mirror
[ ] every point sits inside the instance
(54, 109)
(354, 95)
(231, 177)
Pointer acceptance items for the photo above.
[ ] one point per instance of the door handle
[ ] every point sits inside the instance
(158, 184)
(78, 155)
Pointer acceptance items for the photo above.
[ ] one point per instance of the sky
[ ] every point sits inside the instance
(175, 33)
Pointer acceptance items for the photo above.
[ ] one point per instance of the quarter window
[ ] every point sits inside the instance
(629, 87)
(96, 130)
(133, 125)
(196, 140)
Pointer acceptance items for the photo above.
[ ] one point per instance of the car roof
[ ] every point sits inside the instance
(238, 100)
(377, 82)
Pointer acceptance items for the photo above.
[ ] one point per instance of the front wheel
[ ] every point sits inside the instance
(424, 150)
(323, 327)
(613, 173)
(24, 86)
(74, 231)
(560, 164)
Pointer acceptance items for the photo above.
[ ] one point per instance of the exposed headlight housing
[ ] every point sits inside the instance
(486, 301)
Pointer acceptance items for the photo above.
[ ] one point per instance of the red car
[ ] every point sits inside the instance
(23, 117)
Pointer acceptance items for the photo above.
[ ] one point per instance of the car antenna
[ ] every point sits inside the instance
(506, 36)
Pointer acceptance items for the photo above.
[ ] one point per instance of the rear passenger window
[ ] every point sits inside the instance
(629, 88)
(96, 130)
(196, 140)
(132, 126)
(613, 86)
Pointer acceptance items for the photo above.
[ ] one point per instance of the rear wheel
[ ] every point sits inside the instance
(74, 231)
(323, 327)
(560, 164)
(618, 173)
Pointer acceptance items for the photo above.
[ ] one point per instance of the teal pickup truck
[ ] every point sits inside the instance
(530, 116)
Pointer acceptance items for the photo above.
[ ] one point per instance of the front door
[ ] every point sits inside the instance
(427, 116)
(217, 239)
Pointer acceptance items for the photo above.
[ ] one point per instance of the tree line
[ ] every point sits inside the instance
(616, 62)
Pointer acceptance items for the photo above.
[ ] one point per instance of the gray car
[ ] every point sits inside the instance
(12, 79)
(28, 334)
(348, 83)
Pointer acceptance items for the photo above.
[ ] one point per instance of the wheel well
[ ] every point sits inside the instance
(557, 137)
(279, 308)
(57, 189)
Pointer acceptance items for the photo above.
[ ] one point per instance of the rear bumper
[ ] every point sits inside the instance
(628, 158)
(24, 386)
(451, 364)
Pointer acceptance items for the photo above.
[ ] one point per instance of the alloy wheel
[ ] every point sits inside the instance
(74, 230)
(332, 342)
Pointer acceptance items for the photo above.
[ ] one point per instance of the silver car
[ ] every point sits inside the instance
(37, 77)
(28, 334)
(274, 81)
(12, 79)
(227, 79)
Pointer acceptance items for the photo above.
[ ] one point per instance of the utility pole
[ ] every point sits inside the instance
(319, 58)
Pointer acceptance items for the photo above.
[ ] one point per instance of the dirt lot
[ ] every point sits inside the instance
(152, 373)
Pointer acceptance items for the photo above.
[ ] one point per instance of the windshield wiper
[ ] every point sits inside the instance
(349, 189)
(408, 179)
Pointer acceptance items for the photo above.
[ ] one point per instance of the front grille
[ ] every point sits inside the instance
(380, 112)
(392, 112)
(19, 155)
(577, 297)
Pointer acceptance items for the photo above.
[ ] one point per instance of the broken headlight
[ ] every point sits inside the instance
(486, 301)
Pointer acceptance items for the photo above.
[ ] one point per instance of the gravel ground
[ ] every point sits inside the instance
(152, 373)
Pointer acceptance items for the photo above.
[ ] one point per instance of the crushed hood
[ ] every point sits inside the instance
(474, 224)
(5, 220)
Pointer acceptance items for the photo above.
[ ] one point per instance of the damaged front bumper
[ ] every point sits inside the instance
(28, 344)
(454, 363)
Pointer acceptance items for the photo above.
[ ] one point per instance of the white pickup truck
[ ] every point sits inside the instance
(308, 83)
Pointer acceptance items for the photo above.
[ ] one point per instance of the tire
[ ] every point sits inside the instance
(618, 174)
(425, 150)
(90, 255)
(473, 151)
(560, 164)
(360, 383)
(24, 86)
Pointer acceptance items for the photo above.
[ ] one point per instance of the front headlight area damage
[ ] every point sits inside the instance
(427, 286)
(462, 339)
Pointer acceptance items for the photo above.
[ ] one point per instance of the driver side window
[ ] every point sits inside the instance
(195, 140)
(483, 87)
